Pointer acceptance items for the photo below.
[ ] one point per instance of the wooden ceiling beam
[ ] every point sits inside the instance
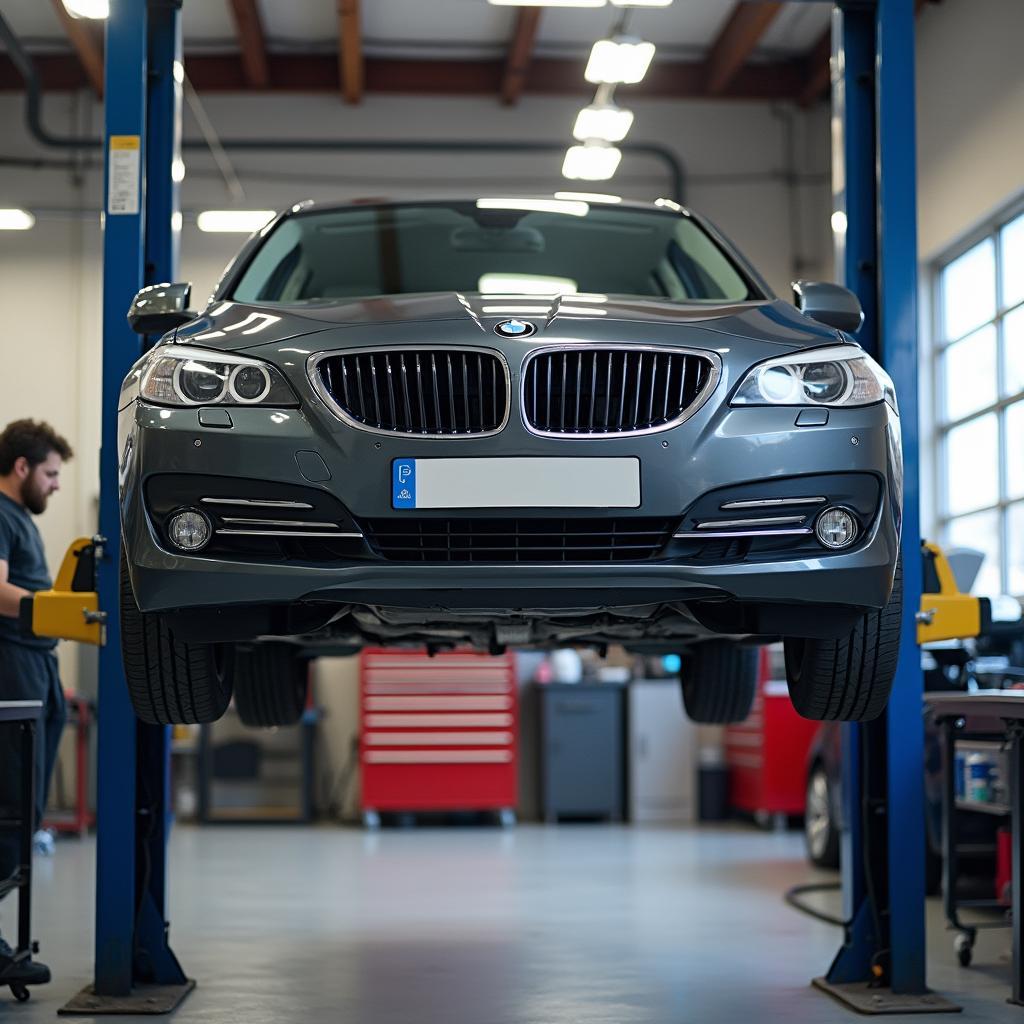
(736, 41)
(252, 42)
(318, 73)
(86, 43)
(520, 53)
(351, 72)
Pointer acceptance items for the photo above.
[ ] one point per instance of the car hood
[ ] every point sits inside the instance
(236, 326)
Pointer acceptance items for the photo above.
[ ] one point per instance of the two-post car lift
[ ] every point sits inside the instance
(881, 965)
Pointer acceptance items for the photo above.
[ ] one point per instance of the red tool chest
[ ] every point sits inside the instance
(767, 754)
(437, 734)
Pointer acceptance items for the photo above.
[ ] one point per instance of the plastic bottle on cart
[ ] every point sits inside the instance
(979, 778)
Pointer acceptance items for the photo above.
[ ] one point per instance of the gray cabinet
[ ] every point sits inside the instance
(662, 754)
(582, 742)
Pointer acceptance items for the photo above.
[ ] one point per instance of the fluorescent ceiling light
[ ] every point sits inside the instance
(603, 121)
(526, 284)
(589, 197)
(641, 3)
(178, 170)
(242, 221)
(548, 3)
(620, 60)
(573, 208)
(95, 9)
(839, 222)
(591, 163)
(16, 220)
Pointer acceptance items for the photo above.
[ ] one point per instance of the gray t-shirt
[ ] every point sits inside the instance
(21, 547)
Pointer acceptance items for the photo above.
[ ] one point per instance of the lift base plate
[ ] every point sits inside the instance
(864, 998)
(143, 999)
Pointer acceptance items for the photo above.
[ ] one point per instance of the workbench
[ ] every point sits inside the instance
(23, 715)
(995, 713)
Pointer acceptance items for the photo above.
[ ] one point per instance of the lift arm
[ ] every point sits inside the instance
(946, 613)
(70, 610)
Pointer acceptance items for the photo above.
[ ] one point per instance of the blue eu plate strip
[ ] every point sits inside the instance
(403, 483)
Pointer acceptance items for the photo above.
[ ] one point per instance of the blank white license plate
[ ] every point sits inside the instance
(515, 483)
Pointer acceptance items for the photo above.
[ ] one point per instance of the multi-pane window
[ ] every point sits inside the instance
(980, 403)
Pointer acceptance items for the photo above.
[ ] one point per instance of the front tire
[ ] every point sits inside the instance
(719, 680)
(171, 681)
(849, 679)
(271, 684)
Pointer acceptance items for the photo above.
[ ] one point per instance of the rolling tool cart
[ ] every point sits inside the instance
(966, 789)
(78, 820)
(23, 716)
(438, 733)
(991, 722)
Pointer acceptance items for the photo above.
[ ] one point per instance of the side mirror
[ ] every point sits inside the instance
(160, 308)
(829, 304)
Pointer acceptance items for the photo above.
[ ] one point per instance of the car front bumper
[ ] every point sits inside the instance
(717, 448)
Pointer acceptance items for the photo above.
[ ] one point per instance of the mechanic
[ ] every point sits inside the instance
(31, 456)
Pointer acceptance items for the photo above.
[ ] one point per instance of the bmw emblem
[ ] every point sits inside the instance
(515, 329)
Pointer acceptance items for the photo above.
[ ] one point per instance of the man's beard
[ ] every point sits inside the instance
(33, 498)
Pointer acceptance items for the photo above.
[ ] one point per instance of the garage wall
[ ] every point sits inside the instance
(970, 82)
(970, 111)
(758, 170)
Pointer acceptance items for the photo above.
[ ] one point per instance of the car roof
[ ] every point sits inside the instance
(597, 199)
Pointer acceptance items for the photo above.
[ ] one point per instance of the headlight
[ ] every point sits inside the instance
(177, 375)
(842, 375)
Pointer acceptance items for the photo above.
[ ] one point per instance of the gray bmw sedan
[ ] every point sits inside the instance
(505, 422)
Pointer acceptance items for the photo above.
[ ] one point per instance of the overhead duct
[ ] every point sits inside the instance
(33, 119)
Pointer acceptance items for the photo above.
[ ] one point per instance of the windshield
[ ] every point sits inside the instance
(552, 247)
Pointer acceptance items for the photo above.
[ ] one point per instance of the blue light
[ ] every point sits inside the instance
(672, 663)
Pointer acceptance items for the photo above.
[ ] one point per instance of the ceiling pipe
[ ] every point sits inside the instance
(34, 96)
(33, 118)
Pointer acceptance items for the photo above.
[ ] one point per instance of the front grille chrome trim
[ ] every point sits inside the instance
(770, 503)
(286, 533)
(714, 376)
(256, 502)
(705, 534)
(753, 521)
(313, 375)
(239, 521)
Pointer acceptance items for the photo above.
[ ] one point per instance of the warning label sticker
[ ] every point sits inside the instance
(124, 164)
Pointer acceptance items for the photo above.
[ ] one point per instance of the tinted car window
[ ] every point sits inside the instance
(388, 250)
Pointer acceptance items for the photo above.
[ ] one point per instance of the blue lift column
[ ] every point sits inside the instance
(135, 969)
(881, 966)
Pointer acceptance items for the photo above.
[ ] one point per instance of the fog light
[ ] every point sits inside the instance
(189, 530)
(836, 528)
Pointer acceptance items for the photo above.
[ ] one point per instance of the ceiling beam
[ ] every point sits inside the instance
(520, 53)
(318, 73)
(351, 72)
(736, 41)
(86, 43)
(251, 42)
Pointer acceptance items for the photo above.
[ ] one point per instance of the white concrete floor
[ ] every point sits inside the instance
(540, 925)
